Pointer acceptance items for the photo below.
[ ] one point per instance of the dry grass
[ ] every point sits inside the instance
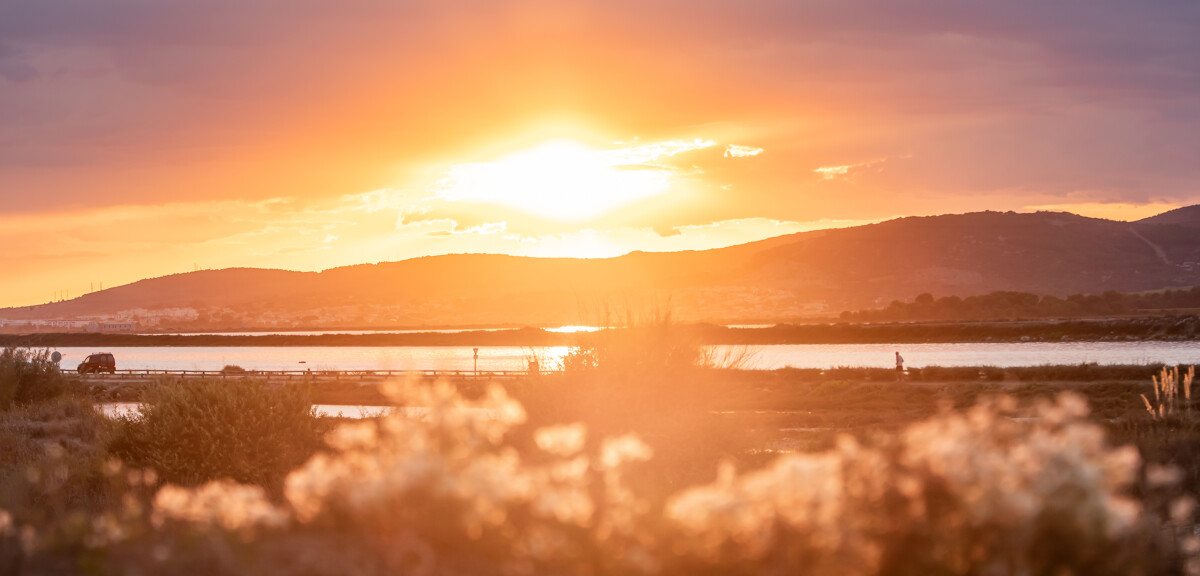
(1168, 387)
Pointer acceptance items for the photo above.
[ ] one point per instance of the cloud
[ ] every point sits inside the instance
(667, 231)
(831, 172)
(485, 229)
(376, 200)
(843, 171)
(654, 152)
(735, 151)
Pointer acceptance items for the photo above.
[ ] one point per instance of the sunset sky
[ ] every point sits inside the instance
(140, 138)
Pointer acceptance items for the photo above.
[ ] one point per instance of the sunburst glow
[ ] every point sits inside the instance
(564, 180)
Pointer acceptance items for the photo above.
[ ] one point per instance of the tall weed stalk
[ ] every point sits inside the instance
(1169, 385)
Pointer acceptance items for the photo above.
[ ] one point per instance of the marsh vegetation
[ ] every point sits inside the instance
(638, 459)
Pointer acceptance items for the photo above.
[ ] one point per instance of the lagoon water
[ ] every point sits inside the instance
(118, 409)
(760, 357)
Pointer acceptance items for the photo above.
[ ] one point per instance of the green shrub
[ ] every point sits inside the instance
(246, 430)
(28, 376)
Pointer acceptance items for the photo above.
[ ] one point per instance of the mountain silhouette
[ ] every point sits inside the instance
(1186, 216)
(778, 279)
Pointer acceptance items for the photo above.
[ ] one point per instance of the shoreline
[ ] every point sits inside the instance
(769, 386)
(1144, 329)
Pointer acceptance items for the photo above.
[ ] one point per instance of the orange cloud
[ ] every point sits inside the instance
(735, 151)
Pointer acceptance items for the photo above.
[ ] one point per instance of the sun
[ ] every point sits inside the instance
(560, 180)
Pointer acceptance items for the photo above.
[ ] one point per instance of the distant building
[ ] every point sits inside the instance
(117, 327)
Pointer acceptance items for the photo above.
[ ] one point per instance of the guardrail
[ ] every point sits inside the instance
(315, 374)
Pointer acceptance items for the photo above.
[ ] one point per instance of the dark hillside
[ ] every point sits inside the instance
(783, 278)
(1186, 216)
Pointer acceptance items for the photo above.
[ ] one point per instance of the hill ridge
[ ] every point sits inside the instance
(783, 278)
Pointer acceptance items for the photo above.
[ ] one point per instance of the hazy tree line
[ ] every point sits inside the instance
(1007, 304)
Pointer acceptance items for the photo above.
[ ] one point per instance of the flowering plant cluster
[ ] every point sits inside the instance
(974, 492)
(446, 490)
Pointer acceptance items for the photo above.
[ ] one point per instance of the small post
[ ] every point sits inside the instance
(476, 350)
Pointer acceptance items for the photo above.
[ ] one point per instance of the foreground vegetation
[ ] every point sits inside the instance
(642, 459)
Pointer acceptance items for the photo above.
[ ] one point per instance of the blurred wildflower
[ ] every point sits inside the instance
(1181, 510)
(964, 492)
(450, 468)
(628, 448)
(623, 509)
(987, 486)
(221, 503)
(445, 451)
(566, 440)
(105, 529)
(1160, 476)
(562, 492)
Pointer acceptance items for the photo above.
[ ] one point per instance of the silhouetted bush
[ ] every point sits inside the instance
(28, 376)
(246, 430)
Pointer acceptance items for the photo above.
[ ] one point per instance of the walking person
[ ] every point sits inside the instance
(899, 367)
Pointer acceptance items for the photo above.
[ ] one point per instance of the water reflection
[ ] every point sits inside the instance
(133, 409)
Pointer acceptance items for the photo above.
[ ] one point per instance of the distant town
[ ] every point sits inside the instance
(123, 321)
(736, 305)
